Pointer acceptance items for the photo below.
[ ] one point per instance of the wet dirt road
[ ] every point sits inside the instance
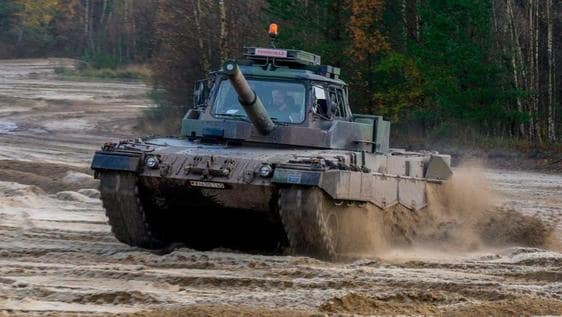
(57, 256)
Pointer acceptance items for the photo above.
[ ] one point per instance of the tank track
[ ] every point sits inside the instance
(305, 214)
(127, 214)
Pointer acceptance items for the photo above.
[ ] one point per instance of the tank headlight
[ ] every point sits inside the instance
(151, 162)
(265, 170)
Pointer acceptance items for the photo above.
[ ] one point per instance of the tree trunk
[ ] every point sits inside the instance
(103, 12)
(87, 23)
(133, 34)
(551, 65)
(204, 56)
(538, 123)
(531, 79)
(418, 21)
(223, 33)
(516, 61)
(403, 14)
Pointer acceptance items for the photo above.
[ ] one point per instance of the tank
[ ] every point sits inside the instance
(270, 158)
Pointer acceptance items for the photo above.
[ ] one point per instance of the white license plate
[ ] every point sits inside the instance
(207, 184)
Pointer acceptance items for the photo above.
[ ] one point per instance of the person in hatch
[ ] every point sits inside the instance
(284, 108)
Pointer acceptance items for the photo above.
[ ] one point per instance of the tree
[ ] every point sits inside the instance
(194, 37)
(461, 76)
(525, 31)
(37, 15)
(7, 22)
(366, 38)
(344, 32)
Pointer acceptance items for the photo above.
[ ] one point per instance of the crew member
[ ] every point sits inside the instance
(284, 109)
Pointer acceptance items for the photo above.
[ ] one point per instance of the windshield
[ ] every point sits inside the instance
(284, 101)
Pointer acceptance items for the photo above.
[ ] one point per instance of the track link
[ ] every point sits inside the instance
(129, 220)
(310, 222)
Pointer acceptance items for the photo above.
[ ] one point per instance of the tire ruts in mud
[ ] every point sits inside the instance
(128, 217)
(306, 215)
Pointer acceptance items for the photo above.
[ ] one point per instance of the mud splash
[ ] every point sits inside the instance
(470, 208)
(468, 217)
(463, 216)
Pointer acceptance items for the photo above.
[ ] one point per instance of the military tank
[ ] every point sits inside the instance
(271, 149)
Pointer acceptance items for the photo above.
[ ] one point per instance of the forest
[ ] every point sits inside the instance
(438, 69)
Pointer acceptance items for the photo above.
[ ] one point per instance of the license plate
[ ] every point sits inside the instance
(207, 184)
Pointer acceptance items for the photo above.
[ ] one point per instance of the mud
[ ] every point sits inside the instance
(465, 215)
(58, 258)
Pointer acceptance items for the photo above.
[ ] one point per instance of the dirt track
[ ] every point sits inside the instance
(57, 255)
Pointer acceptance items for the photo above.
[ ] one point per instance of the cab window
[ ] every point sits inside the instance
(283, 101)
(320, 101)
(337, 100)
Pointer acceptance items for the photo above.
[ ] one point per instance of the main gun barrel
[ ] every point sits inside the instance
(248, 98)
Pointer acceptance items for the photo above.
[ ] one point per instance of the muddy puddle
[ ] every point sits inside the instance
(58, 258)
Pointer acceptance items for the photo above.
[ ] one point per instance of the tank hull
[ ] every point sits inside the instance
(180, 182)
(230, 174)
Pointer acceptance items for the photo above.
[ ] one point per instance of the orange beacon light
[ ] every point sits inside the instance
(273, 30)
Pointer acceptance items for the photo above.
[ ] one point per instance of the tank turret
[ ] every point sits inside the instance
(249, 100)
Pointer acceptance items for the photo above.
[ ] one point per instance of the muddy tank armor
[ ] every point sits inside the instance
(270, 156)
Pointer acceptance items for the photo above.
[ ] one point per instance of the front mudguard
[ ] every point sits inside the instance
(116, 161)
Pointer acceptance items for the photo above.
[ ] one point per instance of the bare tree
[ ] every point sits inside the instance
(223, 33)
(197, 14)
(551, 73)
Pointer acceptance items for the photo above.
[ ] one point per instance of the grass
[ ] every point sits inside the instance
(519, 145)
(126, 72)
(467, 138)
(483, 143)
(165, 117)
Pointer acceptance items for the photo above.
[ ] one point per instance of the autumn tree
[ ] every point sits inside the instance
(344, 32)
(366, 46)
(487, 67)
(194, 37)
(29, 24)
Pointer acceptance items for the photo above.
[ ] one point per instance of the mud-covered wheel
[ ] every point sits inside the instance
(129, 220)
(311, 222)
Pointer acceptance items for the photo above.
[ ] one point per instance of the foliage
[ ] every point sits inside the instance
(400, 92)
(192, 43)
(453, 54)
(345, 32)
(37, 15)
(316, 26)
(127, 72)
(366, 38)
(7, 32)
(99, 60)
(104, 32)
(438, 72)
(434, 67)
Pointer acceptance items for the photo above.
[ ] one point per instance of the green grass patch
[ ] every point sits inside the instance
(128, 72)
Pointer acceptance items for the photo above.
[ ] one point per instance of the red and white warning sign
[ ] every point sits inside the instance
(269, 52)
